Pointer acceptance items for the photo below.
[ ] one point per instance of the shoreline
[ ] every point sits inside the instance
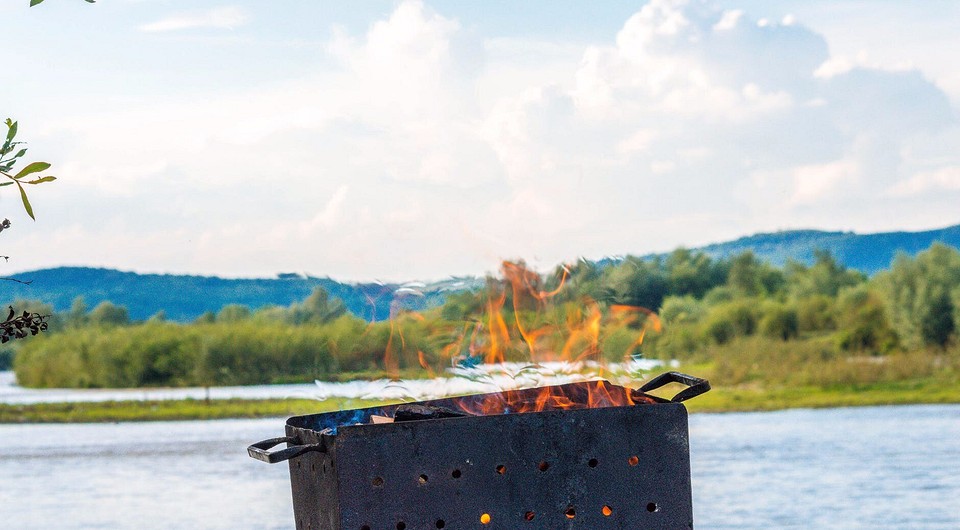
(718, 400)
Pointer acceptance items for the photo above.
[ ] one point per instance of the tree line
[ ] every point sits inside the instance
(735, 316)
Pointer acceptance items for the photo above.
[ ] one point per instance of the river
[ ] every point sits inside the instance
(872, 467)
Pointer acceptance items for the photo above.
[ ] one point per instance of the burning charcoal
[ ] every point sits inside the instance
(377, 419)
(424, 412)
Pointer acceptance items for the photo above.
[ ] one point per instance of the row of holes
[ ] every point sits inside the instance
(313, 467)
(502, 470)
(569, 513)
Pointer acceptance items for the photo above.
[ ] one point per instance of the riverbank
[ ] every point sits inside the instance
(720, 399)
(172, 410)
(747, 399)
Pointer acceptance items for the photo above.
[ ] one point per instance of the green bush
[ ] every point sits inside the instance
(779, 321)
(816, 313)
(682, 310)
(862, 323)
(720, 329)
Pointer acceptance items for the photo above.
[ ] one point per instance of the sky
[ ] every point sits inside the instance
(400, 140)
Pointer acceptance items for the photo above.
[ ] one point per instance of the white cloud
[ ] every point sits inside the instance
(945, 179)
(420, 149)
(217, 18)
(327, 217)
(817, 182)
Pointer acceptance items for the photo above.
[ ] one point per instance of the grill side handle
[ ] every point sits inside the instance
(261, 450)
(696, 385)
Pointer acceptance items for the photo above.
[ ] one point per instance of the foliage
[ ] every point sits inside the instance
(780, 321)
(748, 276)
(19, 326)
(816, 313)
(233, 313)
(921, 296)
(108, 314)
(809, 325)
(825, 277)
(685, 309)
(862, 324)
(11, 153)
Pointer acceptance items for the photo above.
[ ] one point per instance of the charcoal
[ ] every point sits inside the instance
(424, 412)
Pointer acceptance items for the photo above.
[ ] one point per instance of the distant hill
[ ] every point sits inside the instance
(184, 298)
(869, 253)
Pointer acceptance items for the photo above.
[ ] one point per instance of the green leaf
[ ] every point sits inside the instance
(35, 167)
(20, 153)
(26, 202)
(48, 178)
(5, 183)
(12, 127)
(88, 1)
(35, 2)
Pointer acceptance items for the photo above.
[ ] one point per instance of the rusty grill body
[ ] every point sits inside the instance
(624, 467)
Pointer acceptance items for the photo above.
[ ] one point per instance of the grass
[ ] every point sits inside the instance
(170, 410)
(741, 399)
(720, 399)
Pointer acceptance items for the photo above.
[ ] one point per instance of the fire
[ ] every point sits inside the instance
(593, 394)
(525, 321)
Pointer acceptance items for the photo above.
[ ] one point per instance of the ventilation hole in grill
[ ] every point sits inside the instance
(529, 516)
(324, 469)
(653, 507)
(401, 525)
(571, 512)
(365, 527)
(298, 464)
(606, 511)
(441, 523)
(593, 462)
(377, 482)
(422, 479)
(313, 467)
(501, 469)
(485, 518)
(543, 465)
(633, 460)
(456, 473)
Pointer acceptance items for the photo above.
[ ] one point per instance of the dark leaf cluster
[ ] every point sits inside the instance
(17, 327)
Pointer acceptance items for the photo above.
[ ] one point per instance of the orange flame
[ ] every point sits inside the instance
(592, 394)
(524, 320)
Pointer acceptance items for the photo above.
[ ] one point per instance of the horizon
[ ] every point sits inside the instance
(408, 140)
(492, 273)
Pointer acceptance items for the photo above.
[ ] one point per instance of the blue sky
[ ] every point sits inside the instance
(399, 140)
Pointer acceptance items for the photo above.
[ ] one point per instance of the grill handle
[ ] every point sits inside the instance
(261, 450)
(696, 385)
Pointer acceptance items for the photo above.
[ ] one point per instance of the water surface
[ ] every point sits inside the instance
(875, 467)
